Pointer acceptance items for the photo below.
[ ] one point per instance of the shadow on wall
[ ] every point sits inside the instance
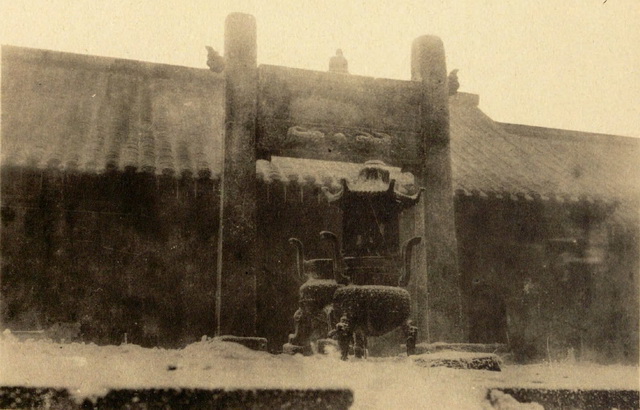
(283, 215)
(549, 279)
(124, 256)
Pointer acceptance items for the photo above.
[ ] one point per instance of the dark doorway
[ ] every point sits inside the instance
(487, 315)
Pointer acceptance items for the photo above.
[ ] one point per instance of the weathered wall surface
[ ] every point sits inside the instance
(550, 279)
(115, 253)
(109, 196)
(288, 211)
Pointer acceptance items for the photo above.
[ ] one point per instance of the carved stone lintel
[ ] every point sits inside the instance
(335, 143)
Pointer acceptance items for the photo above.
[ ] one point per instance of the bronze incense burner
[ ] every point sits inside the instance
(359, 291)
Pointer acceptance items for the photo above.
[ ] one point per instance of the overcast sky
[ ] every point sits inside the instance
(572, 64)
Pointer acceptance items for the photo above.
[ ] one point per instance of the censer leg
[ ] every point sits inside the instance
(411, 336)
(360, 348)
(344, 335)
(300, 341)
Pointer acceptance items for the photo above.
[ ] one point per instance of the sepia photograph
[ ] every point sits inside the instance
(419, 204)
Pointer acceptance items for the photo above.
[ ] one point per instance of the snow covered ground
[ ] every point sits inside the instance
(88, 370)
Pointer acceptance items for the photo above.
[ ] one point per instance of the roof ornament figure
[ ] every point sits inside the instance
(454, 84)
(338, 64)
(214, 60)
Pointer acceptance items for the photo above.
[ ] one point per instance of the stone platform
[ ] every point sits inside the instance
(459, 360)
(51, 398)
(571, 399)
(216, 374)
(461, 347)
(253, 343)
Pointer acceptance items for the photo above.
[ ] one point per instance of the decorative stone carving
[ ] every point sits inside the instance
(454, 84)
(339, 64)
(344, 335)
(336, 143)
(361, 138)
(214, 60)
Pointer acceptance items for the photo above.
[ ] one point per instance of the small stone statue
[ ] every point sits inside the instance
(338, 64)
(303, 327)
(343, 334)
(412, 336)
(214, 60)
(454, 84)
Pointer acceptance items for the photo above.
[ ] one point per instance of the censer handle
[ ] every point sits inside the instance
(407, 252)
(297, 243)
(339, 266)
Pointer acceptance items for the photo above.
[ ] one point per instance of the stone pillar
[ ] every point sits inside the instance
(236, 298)
(443, 299)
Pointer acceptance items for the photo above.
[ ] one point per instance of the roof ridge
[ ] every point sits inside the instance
(97, 62)
(574, 135)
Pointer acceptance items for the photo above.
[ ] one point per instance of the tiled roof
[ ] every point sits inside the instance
(491, 158)
(91, 114)
(324, 173)
(504, 159)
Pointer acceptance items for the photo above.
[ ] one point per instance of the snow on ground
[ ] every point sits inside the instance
(88, 370)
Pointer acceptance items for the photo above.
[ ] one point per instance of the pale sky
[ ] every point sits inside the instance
(572, 64)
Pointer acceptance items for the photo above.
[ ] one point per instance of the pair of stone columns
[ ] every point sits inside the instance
(436, 290)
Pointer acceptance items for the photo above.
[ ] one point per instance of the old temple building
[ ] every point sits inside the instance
(157, 202)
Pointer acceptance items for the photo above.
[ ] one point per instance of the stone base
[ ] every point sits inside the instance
(254, 343)
(29, 397)
(459, 360)
(461, 347)
(324, 343)
(289, 348)
(574, 399)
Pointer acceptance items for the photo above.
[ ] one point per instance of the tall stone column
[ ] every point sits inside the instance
(236, 298)
(445, 320)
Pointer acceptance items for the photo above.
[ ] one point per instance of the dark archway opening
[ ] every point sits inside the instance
(487, 316)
